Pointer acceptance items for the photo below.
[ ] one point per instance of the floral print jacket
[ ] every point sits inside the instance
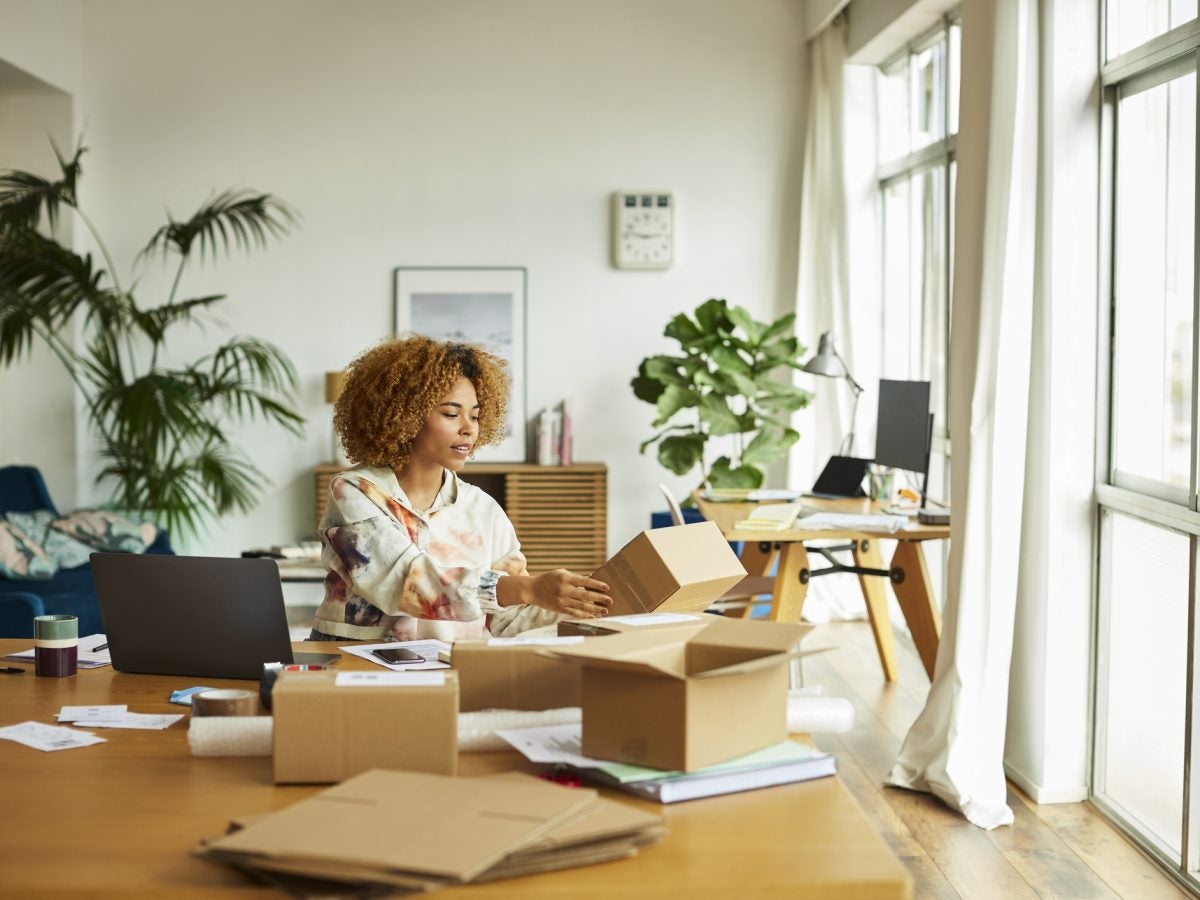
(393, 572)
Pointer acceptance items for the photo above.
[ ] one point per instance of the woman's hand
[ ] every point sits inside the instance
(558, 591)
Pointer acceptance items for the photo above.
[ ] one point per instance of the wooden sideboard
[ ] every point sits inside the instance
(560, 512)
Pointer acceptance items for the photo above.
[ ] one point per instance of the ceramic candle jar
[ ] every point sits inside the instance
(55, 645)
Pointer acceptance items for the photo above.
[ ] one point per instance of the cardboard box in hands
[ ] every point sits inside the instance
(683, 568)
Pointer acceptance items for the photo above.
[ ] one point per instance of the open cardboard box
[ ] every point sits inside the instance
(332, 725)
(683, 568)
(505, 673)
(686, 697)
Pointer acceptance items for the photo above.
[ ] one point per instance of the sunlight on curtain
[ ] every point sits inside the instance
(955, 749)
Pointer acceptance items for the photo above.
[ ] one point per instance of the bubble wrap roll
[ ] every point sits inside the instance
(230, 736)
(477, 730)
(829, 714)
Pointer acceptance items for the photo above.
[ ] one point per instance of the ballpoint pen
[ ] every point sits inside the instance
(99, 647)
(11, 670)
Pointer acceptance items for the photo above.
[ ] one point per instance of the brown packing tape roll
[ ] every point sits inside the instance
(225, 703)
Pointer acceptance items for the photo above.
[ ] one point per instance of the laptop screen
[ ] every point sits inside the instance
(203, 617)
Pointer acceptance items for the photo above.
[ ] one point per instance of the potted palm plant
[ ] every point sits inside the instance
(160, 429)
(727, 380)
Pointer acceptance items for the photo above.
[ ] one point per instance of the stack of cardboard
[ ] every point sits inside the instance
(415, 831)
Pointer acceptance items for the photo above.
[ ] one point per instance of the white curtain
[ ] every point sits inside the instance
(823, 291)
(823, 281)
(955, 748)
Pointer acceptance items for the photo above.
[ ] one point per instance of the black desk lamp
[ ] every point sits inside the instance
(829, 362)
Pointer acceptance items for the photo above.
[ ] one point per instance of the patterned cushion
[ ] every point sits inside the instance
(107, 531)
(22, 557)
(64, 550)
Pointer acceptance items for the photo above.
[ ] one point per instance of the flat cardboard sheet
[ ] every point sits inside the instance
(468, 829)
(458, 827)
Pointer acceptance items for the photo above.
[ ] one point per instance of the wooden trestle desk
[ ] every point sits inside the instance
(122, 817)
(907, 572)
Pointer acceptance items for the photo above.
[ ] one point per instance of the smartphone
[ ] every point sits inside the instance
(398, 655)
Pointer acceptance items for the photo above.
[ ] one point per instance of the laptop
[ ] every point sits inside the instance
(199, 616)
(841, 478)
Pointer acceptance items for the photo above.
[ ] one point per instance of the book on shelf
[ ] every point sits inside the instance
(770, 517)
(554, 436)
(784, 763)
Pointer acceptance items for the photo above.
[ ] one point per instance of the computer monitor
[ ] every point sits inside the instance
(902, 425)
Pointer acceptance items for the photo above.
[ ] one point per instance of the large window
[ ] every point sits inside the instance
(1146, 771)
(917, 93)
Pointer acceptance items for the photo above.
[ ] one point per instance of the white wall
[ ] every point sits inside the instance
(36, 394)
(43, 37)
(458, 132)
(819, 13)
(40, 54)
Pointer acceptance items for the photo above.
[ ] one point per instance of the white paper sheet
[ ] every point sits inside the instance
(428, 649)
(559, 744)
(389, 679)
(653, 619)
(116, 717)
(48, 737)
(139, 721)
(89, 714)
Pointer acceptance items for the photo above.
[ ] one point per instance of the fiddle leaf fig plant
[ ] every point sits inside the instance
(160, 429)
(726, 380)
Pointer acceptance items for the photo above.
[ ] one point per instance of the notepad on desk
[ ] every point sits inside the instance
(770, 517)
(790, 761)
(92, 653)
(819, 519)
(784, 763)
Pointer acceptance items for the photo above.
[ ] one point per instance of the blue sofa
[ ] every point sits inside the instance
(22, 489)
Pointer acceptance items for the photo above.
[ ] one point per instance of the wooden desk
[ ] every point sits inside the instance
(122, 817)
(909, 575)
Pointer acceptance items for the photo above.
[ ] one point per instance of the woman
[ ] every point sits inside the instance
(411, 551)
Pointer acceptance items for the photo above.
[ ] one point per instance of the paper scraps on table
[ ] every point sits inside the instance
(48, 737)
(116, 717)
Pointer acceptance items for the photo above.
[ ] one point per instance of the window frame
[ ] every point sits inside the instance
(940, 154)
(1174, 509)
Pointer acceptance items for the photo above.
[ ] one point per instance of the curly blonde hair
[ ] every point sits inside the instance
(391, 390)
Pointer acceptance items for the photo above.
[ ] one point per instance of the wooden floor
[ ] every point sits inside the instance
(1064, 850)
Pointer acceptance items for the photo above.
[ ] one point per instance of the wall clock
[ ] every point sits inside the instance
(643, 229)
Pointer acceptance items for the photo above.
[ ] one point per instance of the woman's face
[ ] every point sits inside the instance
(449, 433)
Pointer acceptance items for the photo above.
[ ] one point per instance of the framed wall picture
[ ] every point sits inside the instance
(473, 305)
